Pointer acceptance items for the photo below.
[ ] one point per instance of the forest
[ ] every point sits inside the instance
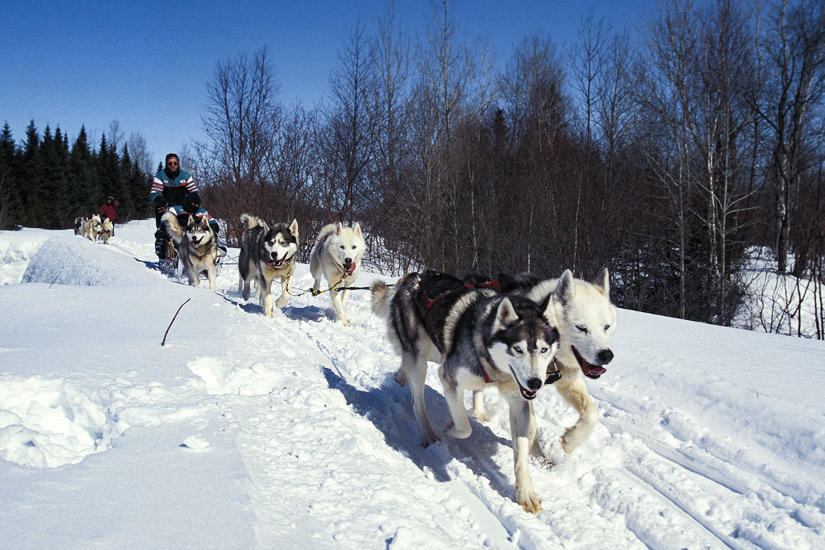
(47, 183)
(672, 156)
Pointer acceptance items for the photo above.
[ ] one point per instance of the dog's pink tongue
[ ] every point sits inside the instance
(594, 372)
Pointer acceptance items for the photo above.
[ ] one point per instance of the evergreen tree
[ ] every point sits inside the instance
(54, 168)
(82, 176)
(124, 196)
(33, 187)
(108, 172)
(138, 185)
(11, 205)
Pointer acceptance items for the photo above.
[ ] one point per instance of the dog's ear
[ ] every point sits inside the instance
(339, 229)
(549, 311)
(602, 282)
(565, 289)
(357, 229)
(293, 228)
(505, 316)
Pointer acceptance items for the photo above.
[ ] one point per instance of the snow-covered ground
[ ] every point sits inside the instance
(249, 432)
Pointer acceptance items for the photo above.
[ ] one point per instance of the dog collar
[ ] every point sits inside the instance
(487, 379)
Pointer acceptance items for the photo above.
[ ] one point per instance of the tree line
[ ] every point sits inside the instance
(669, 157)
(47, 183)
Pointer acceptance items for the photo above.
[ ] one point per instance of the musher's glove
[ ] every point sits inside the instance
(161, 203)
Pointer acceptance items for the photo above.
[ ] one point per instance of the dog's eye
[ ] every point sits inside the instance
(518, 350)
(353, 247)
(343, 247)
(606, 327)
(544, 350)
(582, 328)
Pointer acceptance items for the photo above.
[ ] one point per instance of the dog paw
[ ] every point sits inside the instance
(345, 322)
(554, 452)
(400, 378)
(428, 439)
(454, 432)
(529, 501)
(481, 415)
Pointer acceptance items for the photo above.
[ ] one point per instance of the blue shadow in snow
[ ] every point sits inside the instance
(380, 405)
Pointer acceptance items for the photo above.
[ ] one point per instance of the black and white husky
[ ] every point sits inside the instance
(480, 337)
(267, 252)
(586, 319)
(197, 246)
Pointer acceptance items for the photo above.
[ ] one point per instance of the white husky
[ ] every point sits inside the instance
(336, 256)
(586, 319)
(92, 228)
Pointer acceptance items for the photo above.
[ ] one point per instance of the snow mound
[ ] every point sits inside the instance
(217, 378)
(16, 251)
(70, 260)
(49, 423)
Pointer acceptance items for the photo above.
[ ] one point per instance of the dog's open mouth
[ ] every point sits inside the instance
(349, 269)
(196, 242)
(276, 263)
(529, 395)
(589, 369)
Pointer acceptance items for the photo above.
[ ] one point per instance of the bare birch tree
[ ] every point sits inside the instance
(348, 144)
(792, 70)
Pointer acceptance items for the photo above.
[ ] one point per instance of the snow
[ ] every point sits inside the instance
(250, 432)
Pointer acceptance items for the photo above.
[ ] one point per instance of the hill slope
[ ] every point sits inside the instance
(244, 431)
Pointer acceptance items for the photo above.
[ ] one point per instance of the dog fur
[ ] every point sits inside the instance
(586, 319)
(78, 224)
(481, 338)
(197, 246)
(107, 228)
(336, 256)
(91, 228)
(266, 253)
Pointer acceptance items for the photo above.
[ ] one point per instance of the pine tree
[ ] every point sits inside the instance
(108, 172)
(54, 168)
(11, 205)
(82, 176)
(138, 185)
(33, 188)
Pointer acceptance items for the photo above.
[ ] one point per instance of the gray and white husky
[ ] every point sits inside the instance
(267, 252)
(586, 319)
(197, 246)
(480, 337)
(336, 256)
(91, 228)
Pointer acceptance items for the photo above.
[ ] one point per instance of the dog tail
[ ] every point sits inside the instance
(381, 296)
(173, 228)
(249, 221)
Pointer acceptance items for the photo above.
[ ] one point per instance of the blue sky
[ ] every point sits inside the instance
(146, 64)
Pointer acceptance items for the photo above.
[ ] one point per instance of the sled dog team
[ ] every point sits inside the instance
(518, 333)
(94, 228)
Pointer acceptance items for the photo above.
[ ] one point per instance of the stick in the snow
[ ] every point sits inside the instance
(173, 320)
(58, 275)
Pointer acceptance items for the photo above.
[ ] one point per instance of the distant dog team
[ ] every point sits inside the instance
(90, 228)
(94, 228)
